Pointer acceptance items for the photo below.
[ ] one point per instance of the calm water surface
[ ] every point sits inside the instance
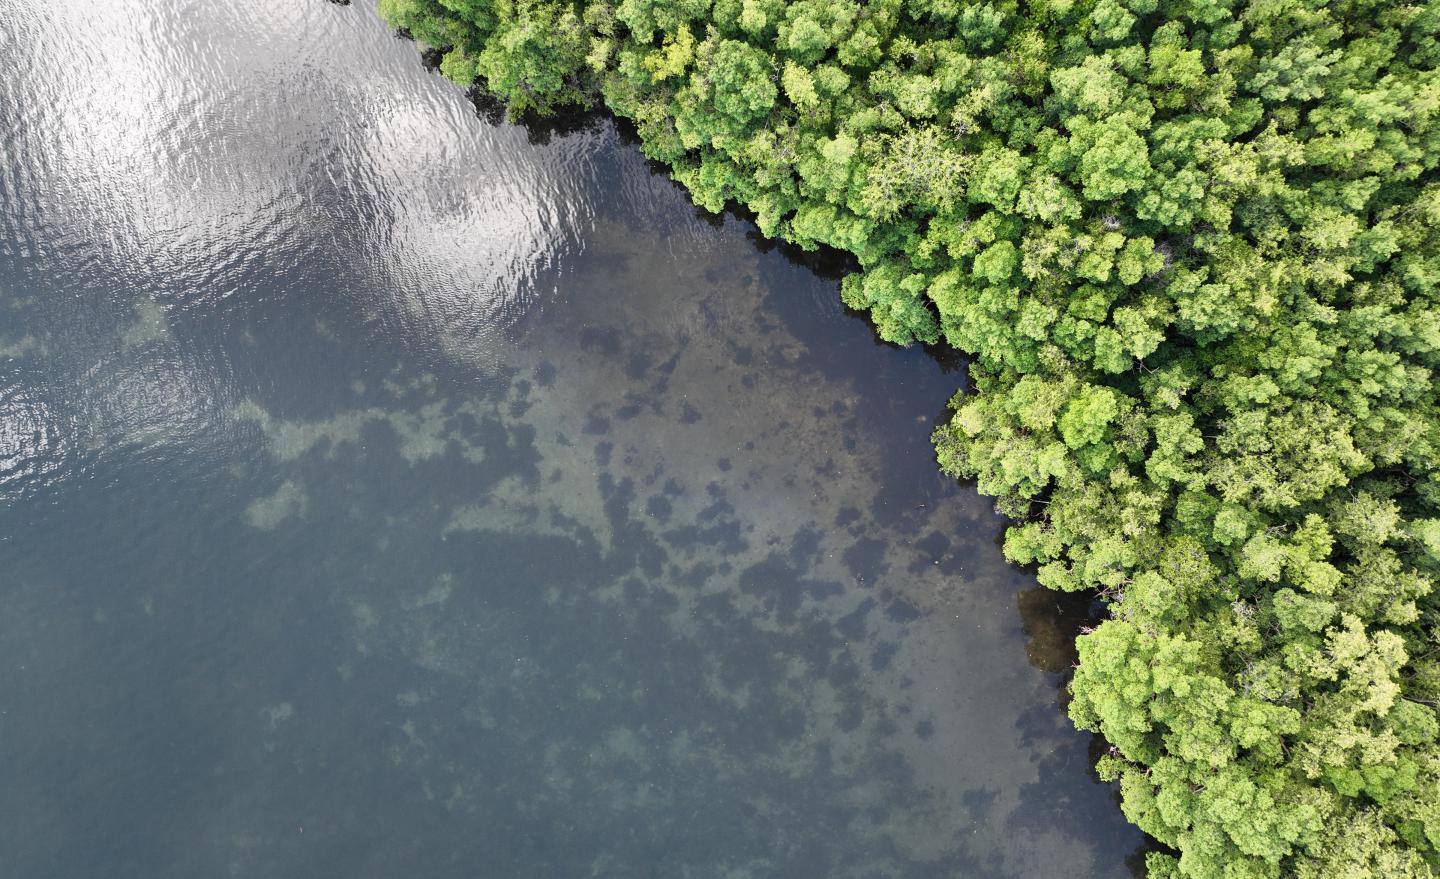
(389, 492)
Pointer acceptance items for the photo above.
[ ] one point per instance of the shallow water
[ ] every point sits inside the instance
(385, 491)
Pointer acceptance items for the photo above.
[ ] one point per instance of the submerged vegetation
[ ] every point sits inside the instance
(1193, 249)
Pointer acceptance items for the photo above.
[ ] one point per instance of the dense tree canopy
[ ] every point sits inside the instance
(1193, 248)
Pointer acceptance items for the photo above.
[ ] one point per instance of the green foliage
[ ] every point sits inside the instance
(1191, 247)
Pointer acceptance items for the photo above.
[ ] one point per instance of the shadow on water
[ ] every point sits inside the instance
(539, 129)
(1051, 621)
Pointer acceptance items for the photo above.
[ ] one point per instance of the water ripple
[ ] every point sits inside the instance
(35, 445)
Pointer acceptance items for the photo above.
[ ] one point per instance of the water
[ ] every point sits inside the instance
(385, 491)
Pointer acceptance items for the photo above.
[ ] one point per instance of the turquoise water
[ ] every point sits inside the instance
(388, 491)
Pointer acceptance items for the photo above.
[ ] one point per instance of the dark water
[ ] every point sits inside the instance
(386, 492)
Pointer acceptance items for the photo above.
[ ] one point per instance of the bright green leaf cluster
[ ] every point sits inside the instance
(1192, 248)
